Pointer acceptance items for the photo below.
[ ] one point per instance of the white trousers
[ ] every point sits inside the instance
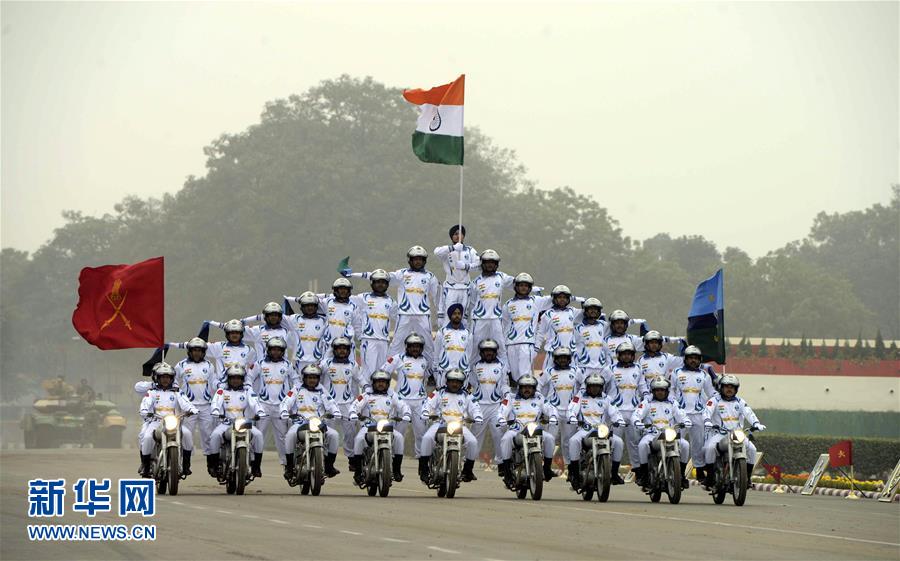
(373, 353)
(644, 448)
(563, 433)
(359, 442)
(487, 329)
(631, 437)
(506, 444)
(206, 425)
(618, 446)
(470, 443)
(697, 437)
(347, 427)
(453, 295)
(279, 427)
(709, 449)
(418, 424)
(223, 432)
(290, 439)
(490, 412)
(147, 442)
(520, 358)
(407, 325)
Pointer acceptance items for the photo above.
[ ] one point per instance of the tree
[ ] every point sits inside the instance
(763, 348)
(880, 350)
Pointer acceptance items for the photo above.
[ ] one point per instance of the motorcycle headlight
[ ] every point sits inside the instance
(315, 424)
(454, 427)
(531, 428)
(241, 424)
(170, 422)
(602, 430)
(381, 425)
(738, 436)
(671, 435)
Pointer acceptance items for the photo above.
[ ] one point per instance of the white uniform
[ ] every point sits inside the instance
(223, 354)
(259, 335)
(341, 318)
(306, 403)
(342, 384)
(378, 407)
(627, 388)
(410, 375)
(310, 339)
(271, 382)
(557, 329)
(486, 305)
(198, 382)
(728, 414)
(655, 416)
(613, 341)
(457, 260)
(490, 386)
(450, 406)
(660, 364)
(590, 351)
(159, 403)
(691, 389)
(524, 411)
(375, 315)
(587, 412)
(452, 348)
(235, 404)
(520, 325)
(417, 292)
(564, 384)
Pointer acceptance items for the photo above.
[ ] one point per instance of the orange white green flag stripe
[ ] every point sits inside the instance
(439, 130)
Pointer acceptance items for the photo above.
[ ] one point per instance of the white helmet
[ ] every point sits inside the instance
(562, 351)
(490, 255)
(380, 274)
(272, 308)
(527, 380)
(235, 370)
(380, 375)
(414, 339)
(417, 251)
(692, 350)
(311, 370)
(341, 342)
(652, 335)
(594, 379)
(729, 380)
(561, 289)
(233, 325)
(618, 314)
(591, 303)
(524, 277)
(196, 343)
(488, 345)
(624, 347)
(276, 342)
(163, 368)
(341, 282)
(456, 374)
(659, 383)
(309, 298)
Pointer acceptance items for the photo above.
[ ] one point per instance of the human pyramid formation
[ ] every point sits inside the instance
(338, 357)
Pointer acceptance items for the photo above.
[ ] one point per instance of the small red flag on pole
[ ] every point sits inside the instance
(122, 306)
(841, 454)
(775, 471)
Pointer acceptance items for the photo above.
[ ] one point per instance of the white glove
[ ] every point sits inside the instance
(407, 418)
(458, 247)
(760, 426)
(553, 421)
(354, 417)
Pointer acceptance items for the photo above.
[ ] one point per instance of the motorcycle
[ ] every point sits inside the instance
(446, 460)
(665, 466)
(376, 475)
(526, 474)
(596, 463)
(234, 457)
(166, 459)
(731, 466)
(309, 472)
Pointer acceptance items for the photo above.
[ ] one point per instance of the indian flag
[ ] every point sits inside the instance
(439, 131)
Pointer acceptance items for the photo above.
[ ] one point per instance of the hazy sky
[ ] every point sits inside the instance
(738, 121)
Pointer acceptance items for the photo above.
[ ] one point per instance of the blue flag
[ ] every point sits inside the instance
(706, 320)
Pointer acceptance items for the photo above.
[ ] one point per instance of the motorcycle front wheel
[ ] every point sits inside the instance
(385, 477)
(452, 476)
(605, 480)
(718, 492)
(673, 489)
(536, 482)
(174, 474)
(240, 474)
(740, 481)
(317, 474)
(162, 483)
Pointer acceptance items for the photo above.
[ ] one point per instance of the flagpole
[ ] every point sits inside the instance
(460, 198)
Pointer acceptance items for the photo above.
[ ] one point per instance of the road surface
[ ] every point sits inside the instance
(484, 521)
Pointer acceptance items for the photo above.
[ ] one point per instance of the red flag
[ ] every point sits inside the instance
(775, 471)
(841, 454)
(122, 306)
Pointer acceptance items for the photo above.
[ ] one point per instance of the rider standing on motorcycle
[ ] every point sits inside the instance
(589, 409)
(376, 313)
(557, 326)
(271, 379)
(274, 325)
(485, 303)
(235, 401)
(489, 382)
(654, 361)
(655, 415)
(728, 412)
(411, 368)
(452, 345)
(692, 388)
(339, 310)
(229, 352)
(624, 382)
(311, 327)
(526, 406)
(520, 324)
(341, 383)
(590, 350)
(198, 382)
(618, 332)
(164, 399)
(563, 381)
(451, 403)
(304, 402)
(379, 404)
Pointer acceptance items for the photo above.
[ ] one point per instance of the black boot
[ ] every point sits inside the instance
(330, 470)
(548, 473)
(710, 476)
(353, 463)
(395, 468)
(185, 462)
(699, 473)
(145, 466)
(749, 476)
(503, 468)
(615, 478)
(212, 465)
(288, 467)
(423, 468)
(467, 473)
(575, 474)
(256, 465)
(685, 484)
(641, 476)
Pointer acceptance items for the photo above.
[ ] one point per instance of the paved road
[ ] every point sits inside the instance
(484, 522)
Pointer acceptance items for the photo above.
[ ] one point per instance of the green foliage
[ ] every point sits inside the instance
(798, 453)
(880, 350)
(763, 349)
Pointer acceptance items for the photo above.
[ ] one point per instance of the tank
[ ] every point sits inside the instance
(63, 417)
